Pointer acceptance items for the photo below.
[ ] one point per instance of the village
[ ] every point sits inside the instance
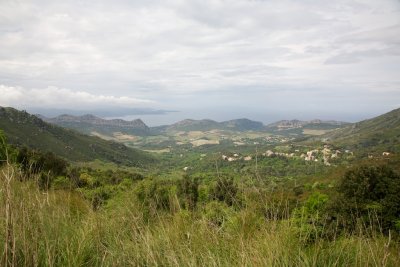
(326, 155)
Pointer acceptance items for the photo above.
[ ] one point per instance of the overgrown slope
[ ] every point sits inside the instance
(297, 127)
(88, 124)
(376, 134)
(23, 129)
(206, 125)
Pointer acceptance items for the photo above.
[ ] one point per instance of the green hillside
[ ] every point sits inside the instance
(89, 124)
(376, 134)
(23, 129)
(207, 125)
(299, 128)
(243, 125)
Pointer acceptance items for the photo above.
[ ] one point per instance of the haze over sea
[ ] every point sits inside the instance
(218, 115)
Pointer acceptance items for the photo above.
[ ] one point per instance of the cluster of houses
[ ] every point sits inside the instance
(236, 157)
(270, 153)
(277, 139)
(311, 155)
(269, 140)
(384, 154)
(325, 155)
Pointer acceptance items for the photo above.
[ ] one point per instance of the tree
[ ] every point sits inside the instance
(3, 147)
(369, 193)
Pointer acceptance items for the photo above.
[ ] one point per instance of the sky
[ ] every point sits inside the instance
(219, 59)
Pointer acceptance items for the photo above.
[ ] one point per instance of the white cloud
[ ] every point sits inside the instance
(172, 49)
(54, 97)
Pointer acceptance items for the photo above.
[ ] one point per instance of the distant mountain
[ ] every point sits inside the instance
(90, 124)
(194, 125)
(243, 125)
(298, 127)
(379, 133)
(24, 129)
(207, 125)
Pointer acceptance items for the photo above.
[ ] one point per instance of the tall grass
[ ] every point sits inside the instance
(58, 228)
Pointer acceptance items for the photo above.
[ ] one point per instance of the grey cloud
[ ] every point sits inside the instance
(343, 59)
(62, 98)
(387, 35)
(167, 49)
(357, 56)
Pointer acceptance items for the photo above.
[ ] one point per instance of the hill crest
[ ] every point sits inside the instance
(24, 129)
(91, 119)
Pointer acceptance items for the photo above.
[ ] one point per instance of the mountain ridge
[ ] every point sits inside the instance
(24, 129)
(382, 131)
(89, 123)
(295, 123)
(242, 124)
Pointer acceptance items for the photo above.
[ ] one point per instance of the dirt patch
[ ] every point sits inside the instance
(202, 142)
(124, 137)
(314, 132)
(102, 136)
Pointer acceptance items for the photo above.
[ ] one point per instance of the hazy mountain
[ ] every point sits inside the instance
(243, 125)
(194, 125)
(298, 127)
(89, 124)
(206, 125)
(24, 129)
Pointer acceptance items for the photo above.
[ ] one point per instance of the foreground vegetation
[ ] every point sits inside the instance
(270, 211)
(59, 228)
(193, 221)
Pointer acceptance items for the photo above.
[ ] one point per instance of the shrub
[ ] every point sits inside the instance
(51, 163)
(33, 162)
(315, 202)
(86, 180)
(309, 220)
(225, 190)
(44, 181)
(3, 147)
(188, 192)
(155, 195)
(370, 194)
(99, 196)
(218, 213)
(62, 182)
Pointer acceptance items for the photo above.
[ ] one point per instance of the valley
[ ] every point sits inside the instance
(238, 180)
(205, 133)
(241, 134)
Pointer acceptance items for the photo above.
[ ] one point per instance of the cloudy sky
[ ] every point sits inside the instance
(265, 60)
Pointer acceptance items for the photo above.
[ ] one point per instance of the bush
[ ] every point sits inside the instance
(218, 213)
(225, 190)
(188, 192)
(309, 220)
(155, 195)
(3, 148)
(33, 162)
(62, 182)
(370, 194)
